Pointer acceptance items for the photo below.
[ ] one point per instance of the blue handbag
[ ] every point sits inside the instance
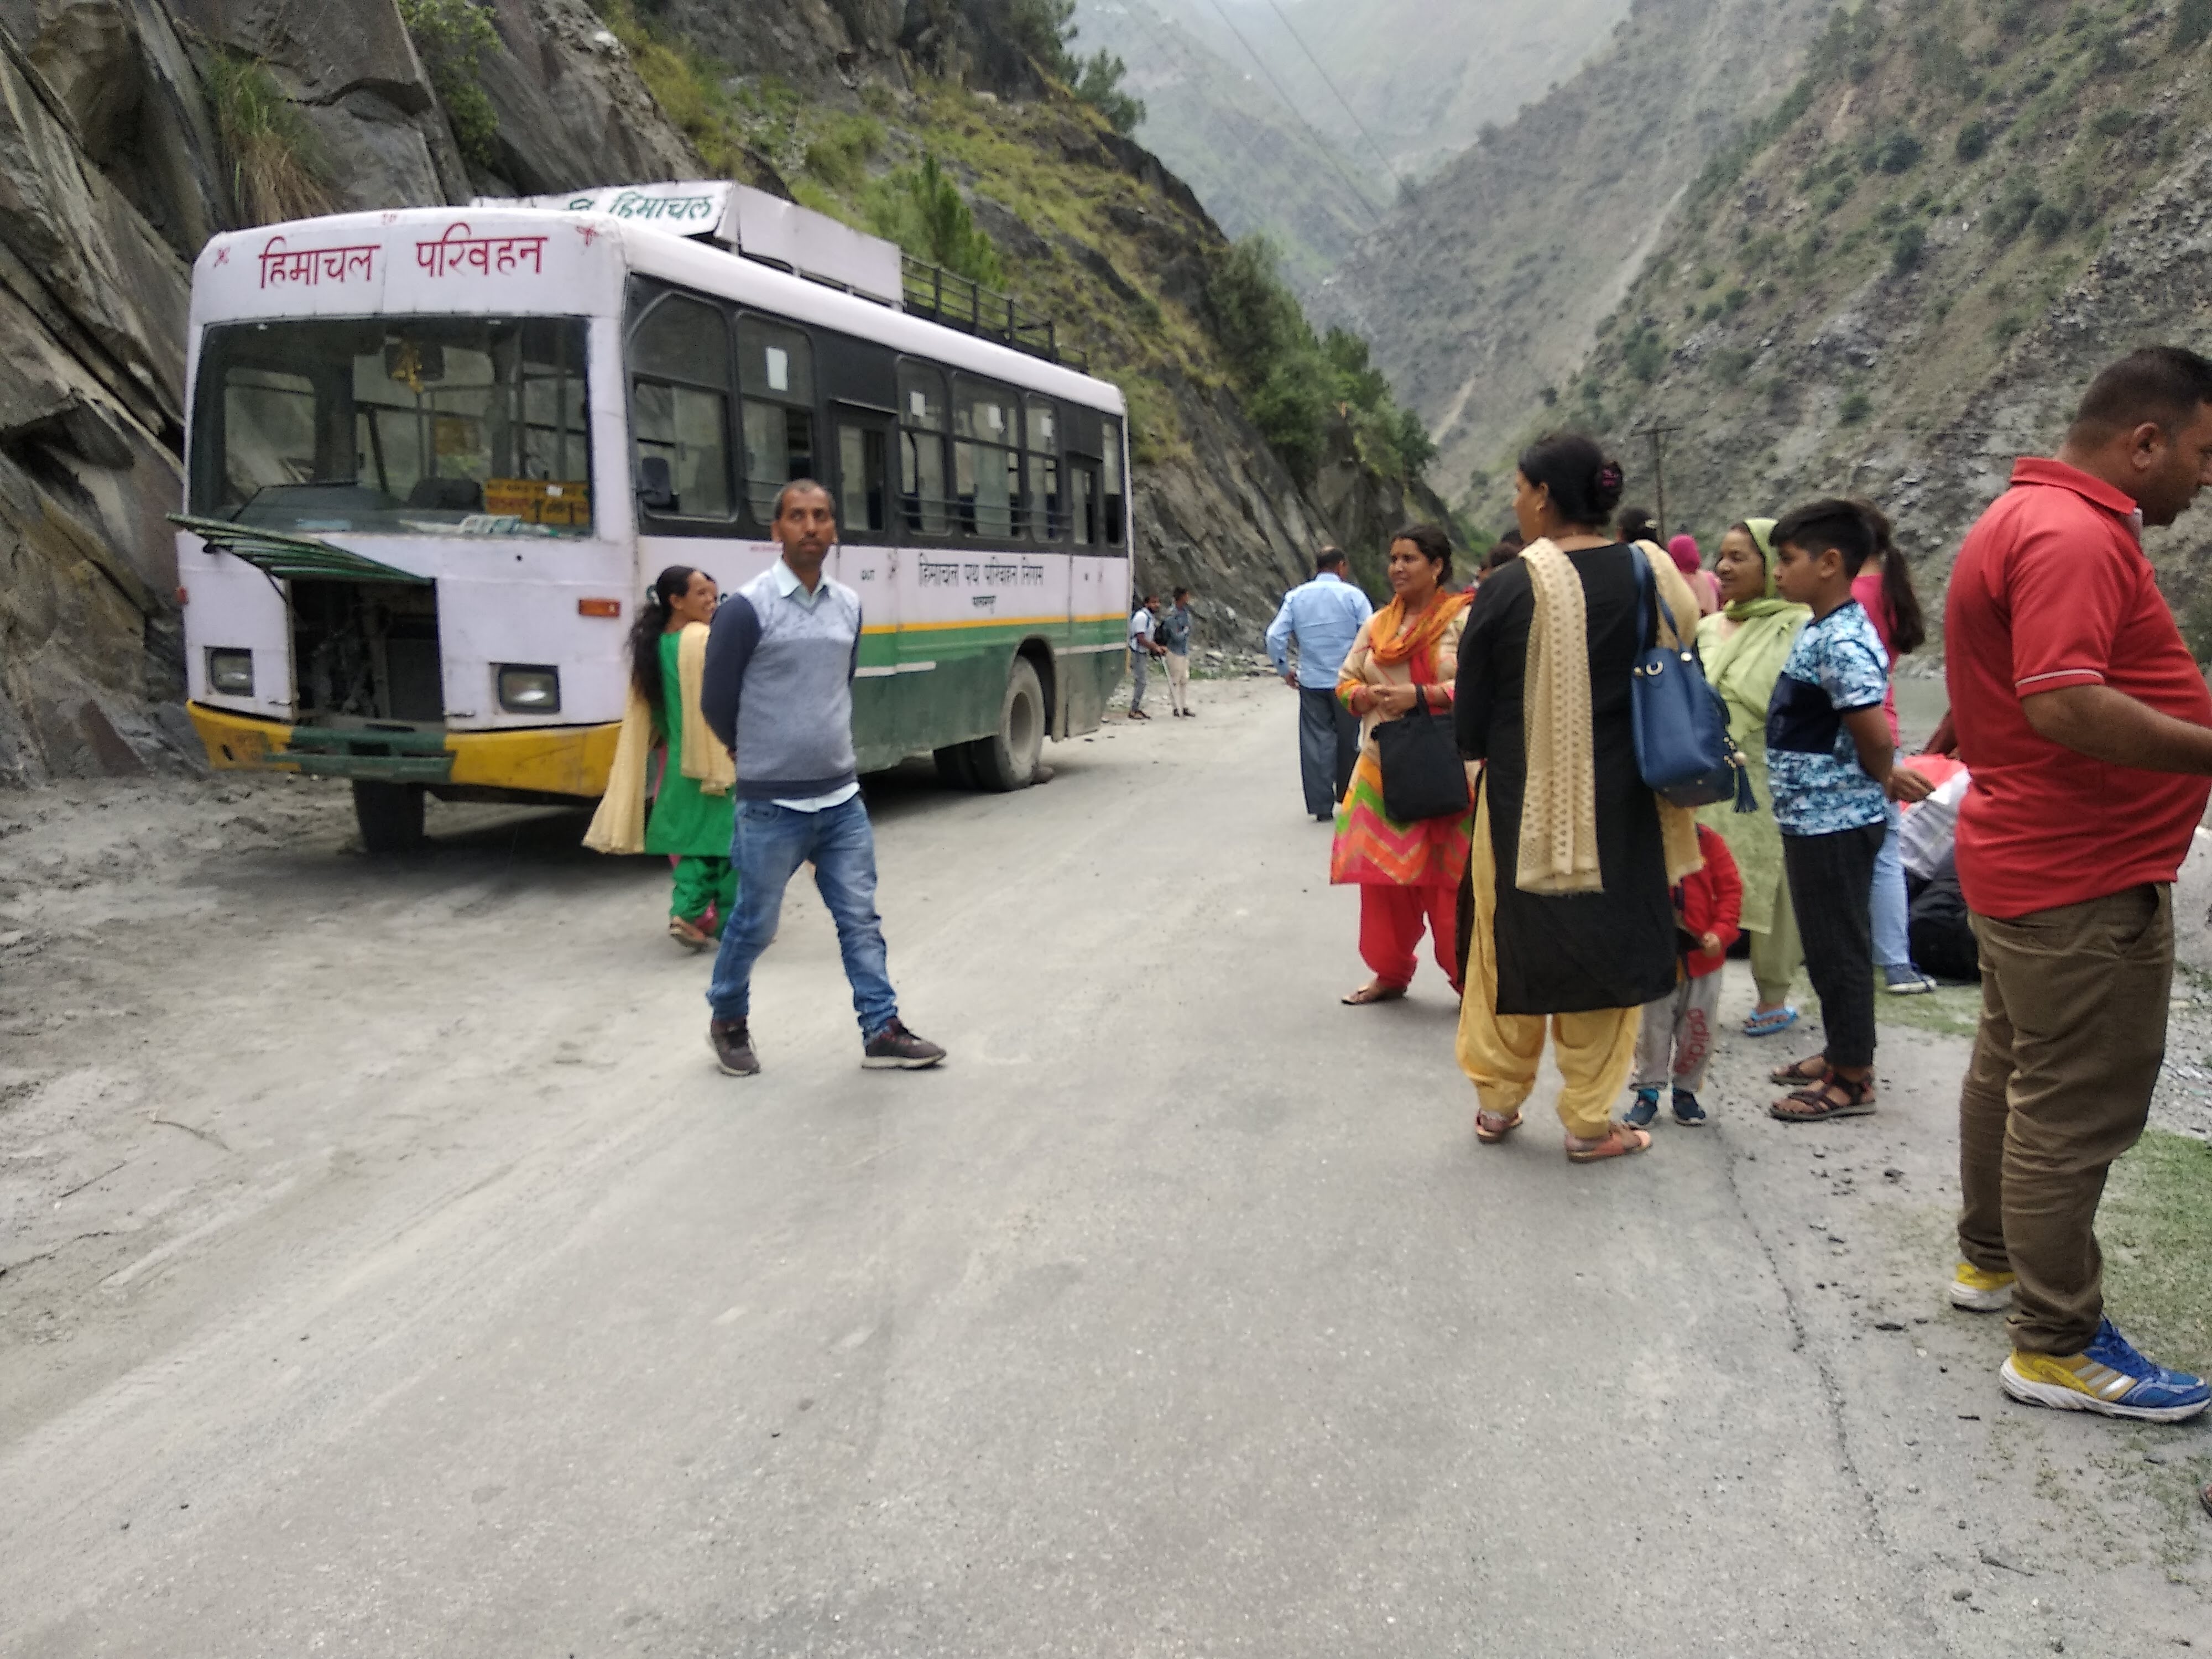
(1683, 748)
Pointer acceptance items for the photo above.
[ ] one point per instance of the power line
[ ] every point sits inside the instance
(1328, 150)
(1358, 126)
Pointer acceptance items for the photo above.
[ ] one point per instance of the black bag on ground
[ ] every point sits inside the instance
(1423, 776)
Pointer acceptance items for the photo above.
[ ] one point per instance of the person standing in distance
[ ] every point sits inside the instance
(778, 692)
(1323, 616)
(1143, 648)
(2088, 731)
(1175, 640)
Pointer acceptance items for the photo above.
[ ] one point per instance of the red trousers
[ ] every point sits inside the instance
(1391, 920)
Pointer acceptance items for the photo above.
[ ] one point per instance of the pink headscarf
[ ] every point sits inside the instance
(1685, 549)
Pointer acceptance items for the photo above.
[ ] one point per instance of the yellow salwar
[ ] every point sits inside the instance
(1594, 1050)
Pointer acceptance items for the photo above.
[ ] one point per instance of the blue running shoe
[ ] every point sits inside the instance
(2109, 1377)
(1646, 1107)
(1687, 1112)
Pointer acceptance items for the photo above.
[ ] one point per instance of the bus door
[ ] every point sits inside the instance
(862, 445)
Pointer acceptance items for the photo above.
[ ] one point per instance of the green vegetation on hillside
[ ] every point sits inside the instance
(453, 37)
(1295, 383)
(1841, 277)
(277, 169)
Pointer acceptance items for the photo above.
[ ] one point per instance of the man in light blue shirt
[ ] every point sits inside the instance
(1323, 616)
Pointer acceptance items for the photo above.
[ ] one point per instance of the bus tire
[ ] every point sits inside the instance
(955, 765)
(390, 816)
(1009, 760)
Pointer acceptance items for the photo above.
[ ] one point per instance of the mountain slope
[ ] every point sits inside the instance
(1484, 291)
(1907, 278)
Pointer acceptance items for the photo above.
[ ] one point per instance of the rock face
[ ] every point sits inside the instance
(1484, 289)
(113, 172)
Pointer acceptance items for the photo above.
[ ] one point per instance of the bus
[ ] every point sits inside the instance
(435, 456)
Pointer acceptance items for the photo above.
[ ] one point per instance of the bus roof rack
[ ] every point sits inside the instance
(946, 297)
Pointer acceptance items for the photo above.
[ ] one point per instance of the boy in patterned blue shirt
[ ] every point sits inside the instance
(1830, 766)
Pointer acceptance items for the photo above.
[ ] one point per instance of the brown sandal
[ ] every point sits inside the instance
(1818, 1104)
(691, 935)
(1801, 1071)
(1370, 993)
(1620, 1141)
(1490, 1127)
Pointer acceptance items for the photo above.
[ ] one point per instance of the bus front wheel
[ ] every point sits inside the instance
(390, 816)
(1008, 760)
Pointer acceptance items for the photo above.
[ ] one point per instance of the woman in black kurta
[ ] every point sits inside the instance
(1582, 963)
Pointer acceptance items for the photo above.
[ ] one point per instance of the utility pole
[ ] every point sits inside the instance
(1658, 435)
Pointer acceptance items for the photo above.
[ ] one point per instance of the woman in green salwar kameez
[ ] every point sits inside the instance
(694, 815)
(1743, 646)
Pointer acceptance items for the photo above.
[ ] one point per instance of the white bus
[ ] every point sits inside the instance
(437, 455)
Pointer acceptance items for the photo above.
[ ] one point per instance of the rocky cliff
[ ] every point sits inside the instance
(1906, 276)
(131, 129)
(1482, 293)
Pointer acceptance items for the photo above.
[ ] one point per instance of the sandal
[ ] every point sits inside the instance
(1490, 1128)
(1814, 1070)
(690, 935)
(1770, 1023)
(1818, 1104)
(1620, 1141)
(1367, 993)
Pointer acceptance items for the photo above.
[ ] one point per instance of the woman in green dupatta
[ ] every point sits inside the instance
(1744, 646)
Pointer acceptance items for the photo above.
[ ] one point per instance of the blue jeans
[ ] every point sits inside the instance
(770, 844)
(1892, 947)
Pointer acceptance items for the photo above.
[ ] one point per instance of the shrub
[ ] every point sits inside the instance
(840, 156)
(2112, 123)
(2008, 328)
(2050, 223)
(453, 37)
(1907, 246)
(1730, 364)
(2010, 214)
(1855, 408)
(1898, 153)
(2192, 24)
(1644, 354)
(921, 209)
(1974, 139)
(277, 169)
(1735, 299)
(1098, 83)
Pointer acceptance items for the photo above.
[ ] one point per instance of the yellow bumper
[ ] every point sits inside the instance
(572, 760)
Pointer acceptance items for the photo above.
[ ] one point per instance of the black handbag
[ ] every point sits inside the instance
(1679, 723)
(1423, 776)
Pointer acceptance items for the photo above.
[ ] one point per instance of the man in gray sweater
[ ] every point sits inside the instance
(778, 690)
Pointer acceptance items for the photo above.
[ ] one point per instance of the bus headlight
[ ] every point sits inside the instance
(229, 672)
(528, 689)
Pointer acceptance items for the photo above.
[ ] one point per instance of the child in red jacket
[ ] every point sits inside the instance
(1677, 1038)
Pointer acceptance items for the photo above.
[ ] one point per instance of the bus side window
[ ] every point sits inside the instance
(1115, 515)
(1083, 501)
(775, 385)
(1047, 515)
(921, 450)
(861, 512)
(987, 467)
(680, 409)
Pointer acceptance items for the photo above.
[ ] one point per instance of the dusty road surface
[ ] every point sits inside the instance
(388, 1272)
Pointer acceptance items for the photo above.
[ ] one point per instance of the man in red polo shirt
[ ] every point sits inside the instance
(2087, 729)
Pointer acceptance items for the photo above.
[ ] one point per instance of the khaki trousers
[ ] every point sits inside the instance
(1179, 681)
(2072, 1036)
(1499, 1052)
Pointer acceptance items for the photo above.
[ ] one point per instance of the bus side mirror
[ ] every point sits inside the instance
(656, 489)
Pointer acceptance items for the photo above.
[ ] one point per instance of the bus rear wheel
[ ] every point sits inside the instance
(390, 816)
(1009, 759)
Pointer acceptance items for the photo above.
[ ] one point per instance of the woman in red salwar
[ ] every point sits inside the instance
(1408, 874)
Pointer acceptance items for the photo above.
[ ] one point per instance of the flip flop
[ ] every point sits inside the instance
(1620, 1141)
(1367, 993)
(1770, 1023)
(1490, 1136)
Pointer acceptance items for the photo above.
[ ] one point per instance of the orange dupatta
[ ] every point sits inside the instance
(1384, 643)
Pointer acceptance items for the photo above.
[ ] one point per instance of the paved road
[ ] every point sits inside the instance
(454, 1305)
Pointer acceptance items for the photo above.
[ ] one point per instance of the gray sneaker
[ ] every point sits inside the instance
(896, 1048)
(733, 1043)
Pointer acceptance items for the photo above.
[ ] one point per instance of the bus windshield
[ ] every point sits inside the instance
(423, 425)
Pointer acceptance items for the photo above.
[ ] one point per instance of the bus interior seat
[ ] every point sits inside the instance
(447, 495)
